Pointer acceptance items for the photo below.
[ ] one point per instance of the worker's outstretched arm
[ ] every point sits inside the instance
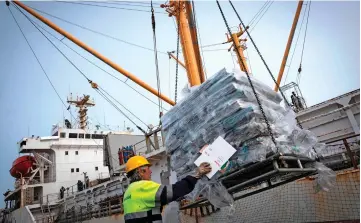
(183, 187)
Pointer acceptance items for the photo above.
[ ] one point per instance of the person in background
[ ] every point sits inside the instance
(80, 185)
(144, 198)
(62, 190)
(296, 101)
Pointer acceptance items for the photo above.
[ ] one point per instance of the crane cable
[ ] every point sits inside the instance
(93, 84)
(261, 16)
(200, 40)
(294, 50)
(303, 46)
(32, 50)
(118, 109)
(249, 80)
(250, 23)
(106, 6)
(259, 53)
(263, 60)
(176, 64)
(94, 31)
(160, 105)
(115, 77)
(67, 107)
(134, 4)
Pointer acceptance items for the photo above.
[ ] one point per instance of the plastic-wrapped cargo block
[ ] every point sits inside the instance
(226, 106)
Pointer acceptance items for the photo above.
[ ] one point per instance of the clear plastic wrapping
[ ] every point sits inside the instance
(171, 213)
(226, 106)
(214, 191)
(326, 178)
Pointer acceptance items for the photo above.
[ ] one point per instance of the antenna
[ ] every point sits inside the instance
(82, 103)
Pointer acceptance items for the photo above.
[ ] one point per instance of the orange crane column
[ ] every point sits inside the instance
(289, 43)
(187, 47)
(95, 53)
(194, 36)
(234, 39)
(241, 58)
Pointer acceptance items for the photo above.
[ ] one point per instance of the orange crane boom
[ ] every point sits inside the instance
(95, 53)
(289, 42)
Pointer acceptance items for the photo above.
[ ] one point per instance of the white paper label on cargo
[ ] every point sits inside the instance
(217, 154)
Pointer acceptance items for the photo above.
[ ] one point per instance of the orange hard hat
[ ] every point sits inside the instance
(135, 162)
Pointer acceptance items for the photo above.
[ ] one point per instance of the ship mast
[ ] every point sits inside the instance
(82, 104)
(240, 47)
(183, 13)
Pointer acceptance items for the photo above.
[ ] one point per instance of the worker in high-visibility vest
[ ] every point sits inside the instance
(144, 198)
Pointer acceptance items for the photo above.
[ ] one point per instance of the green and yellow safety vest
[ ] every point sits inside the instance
(142, 202)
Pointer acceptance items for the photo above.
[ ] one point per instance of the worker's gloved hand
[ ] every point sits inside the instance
(203, 169)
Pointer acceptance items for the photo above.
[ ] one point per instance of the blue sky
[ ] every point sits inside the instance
(30, 106)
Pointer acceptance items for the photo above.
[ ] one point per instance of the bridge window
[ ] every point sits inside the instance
(77, 170)
(81, 136)
(72, 170)
(76, 153)
(87, 136)
(23, 143)
(73, 135)
(66, 153)
(96, 168)
(97, 136)
(62, 135)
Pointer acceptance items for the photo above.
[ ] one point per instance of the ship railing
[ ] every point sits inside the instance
(33, 181)
(71, 190)
(103, 175)
(104, 208)
(50, 199)
(148, 145)
(342, 153)
(256, 174)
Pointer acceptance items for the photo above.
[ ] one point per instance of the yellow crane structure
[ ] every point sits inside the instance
(289, 43)
(183, 13)
(170, 54)
(239, 45)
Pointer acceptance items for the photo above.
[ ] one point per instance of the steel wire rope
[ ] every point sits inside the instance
(96, 64)
(160, 104)
(200, 39)
(264, 12)
(250, 81)
(258, 13)
(105, 6)
(90, 81)
(303, 46)
(39, 60)
(176, 64)
(94, 31)
(134, 4)
(264, 61)
(259, 53)
(294, 50)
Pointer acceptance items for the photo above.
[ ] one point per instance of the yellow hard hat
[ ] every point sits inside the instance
(135, 162)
